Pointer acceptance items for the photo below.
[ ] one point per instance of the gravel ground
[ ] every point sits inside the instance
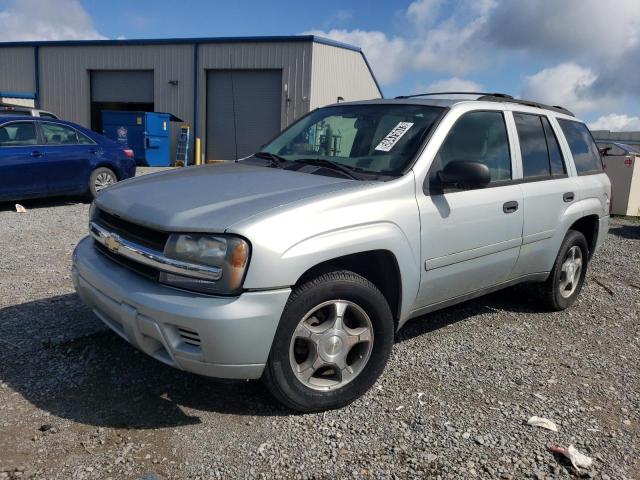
(76, 401)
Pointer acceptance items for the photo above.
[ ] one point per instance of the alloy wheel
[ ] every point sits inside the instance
(570, 272)
(331, 345)
(103, 180)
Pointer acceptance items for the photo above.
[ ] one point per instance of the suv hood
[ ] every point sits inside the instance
(212, 197)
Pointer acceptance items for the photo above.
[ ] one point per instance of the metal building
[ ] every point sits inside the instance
(235, 93)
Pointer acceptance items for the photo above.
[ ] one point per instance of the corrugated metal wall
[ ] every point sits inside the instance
(17, 69)
(294, 58)
(65, 82)
(338, 72)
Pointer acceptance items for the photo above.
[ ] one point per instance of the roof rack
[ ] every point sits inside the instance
(529, 103)
(496, 97)
(431, 94)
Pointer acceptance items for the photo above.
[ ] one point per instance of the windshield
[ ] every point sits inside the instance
(376, 138)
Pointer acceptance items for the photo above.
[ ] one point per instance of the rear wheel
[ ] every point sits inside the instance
(565, 282)
(100, 179)
(333, 342)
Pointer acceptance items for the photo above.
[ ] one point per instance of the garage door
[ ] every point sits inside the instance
(127, 86)
(243, 111)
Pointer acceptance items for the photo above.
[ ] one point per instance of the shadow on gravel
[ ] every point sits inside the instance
(626, 231)
(516, 299)
(36, 203)
(59, 356)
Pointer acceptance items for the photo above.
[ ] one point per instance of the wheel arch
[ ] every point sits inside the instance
(380, 267)
(588, 226)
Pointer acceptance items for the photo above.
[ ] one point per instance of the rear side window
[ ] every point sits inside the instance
(541, 155)
(55, 134)
(480, 137)
(583, 148)
(18, 134)
(555, 154)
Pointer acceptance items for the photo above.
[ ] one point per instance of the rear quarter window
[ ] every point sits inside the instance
(583, 148)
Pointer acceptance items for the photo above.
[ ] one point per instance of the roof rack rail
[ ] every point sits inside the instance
(430, 94)
(529, 103)
(496, 97)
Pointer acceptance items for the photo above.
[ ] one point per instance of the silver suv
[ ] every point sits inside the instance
(298, 264)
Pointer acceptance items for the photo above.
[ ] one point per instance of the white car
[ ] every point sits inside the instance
(9, 109)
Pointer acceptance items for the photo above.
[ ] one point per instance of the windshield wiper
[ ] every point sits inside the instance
(321, 162)
(275, 160)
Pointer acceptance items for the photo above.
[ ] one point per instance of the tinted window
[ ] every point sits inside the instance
(18, 134)
(533, 145)
(583, 148)
(480, 137)
(55, 134)
(555, 154)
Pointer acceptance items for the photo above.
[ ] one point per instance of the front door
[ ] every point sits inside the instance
(22, 162)
(470, 237)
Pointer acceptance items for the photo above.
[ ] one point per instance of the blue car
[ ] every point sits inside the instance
(47, 157)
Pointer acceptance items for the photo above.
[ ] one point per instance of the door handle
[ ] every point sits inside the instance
(93, 151)
(568, 197)
(510, 207)
(36, 153)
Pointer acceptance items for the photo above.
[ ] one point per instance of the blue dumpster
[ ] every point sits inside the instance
(146, 133)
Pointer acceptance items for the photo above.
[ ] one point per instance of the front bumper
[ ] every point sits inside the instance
(224, 337)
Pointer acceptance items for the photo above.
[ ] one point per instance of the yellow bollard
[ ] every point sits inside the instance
(198, 159)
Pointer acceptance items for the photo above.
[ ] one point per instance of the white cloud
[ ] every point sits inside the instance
(424, 12)
(616, 122)
(579, 28)
(566, 84)
(388, 56)
(24, 20)
(453, 84)
(432, 41)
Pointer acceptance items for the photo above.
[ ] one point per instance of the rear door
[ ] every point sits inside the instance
(69, 156)
(548, 192)
(22, 162)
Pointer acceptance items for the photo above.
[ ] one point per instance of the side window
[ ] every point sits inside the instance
(83, 139)
(55, 134)
(533, 145)
(18, 134)
(480, 137)
(555, 154)
(583, 148)
(541, 155)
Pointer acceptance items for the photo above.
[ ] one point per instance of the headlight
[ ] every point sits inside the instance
(231, 254)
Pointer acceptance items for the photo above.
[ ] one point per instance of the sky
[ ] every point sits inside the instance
(581, 54)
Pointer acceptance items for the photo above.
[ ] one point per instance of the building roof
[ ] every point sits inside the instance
(170, 41)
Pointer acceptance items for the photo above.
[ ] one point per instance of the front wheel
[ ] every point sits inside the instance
(569, 270)
(333, 342)
(100, 179)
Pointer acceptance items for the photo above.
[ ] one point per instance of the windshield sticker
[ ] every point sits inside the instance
(394, 136)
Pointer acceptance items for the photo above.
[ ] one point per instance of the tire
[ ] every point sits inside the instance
(99, 179)
(309, 329)
(558, 292)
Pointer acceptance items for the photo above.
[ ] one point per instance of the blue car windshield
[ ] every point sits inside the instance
(373, 138)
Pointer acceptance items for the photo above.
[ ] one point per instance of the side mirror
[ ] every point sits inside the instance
(604, 152)
(464, 173)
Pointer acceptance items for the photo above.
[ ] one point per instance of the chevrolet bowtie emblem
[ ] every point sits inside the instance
(112, 242)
